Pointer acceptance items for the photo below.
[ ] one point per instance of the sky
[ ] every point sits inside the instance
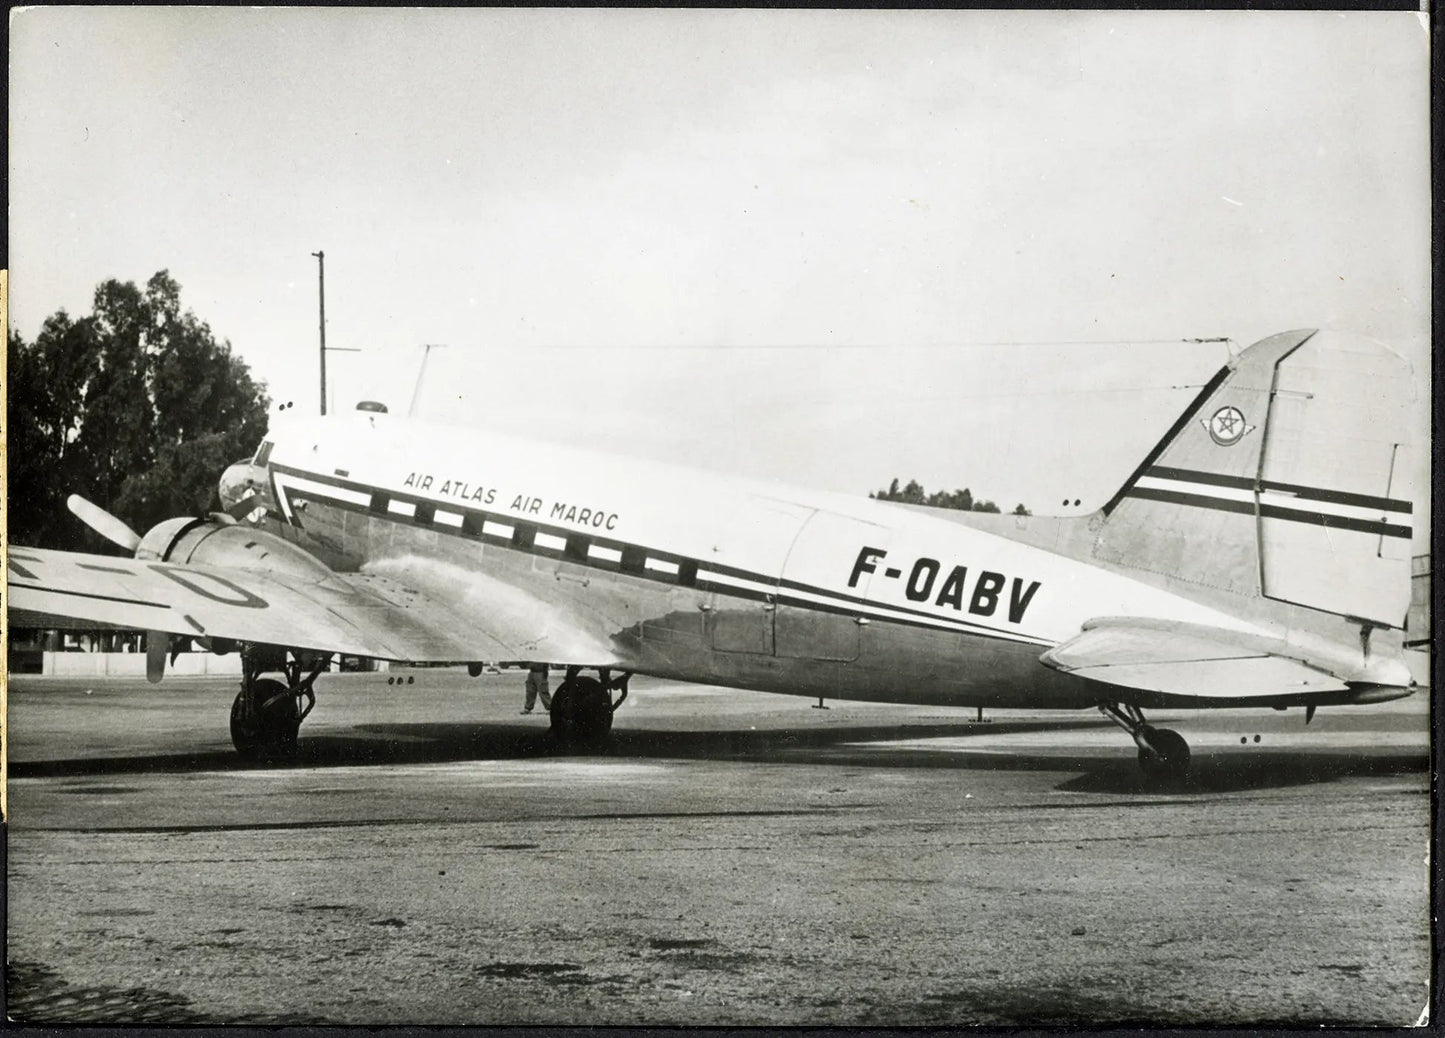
(828, 248)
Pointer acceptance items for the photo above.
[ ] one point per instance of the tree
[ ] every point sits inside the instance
(961, 500)
(137, 407)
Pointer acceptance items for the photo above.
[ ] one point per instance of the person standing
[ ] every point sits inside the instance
(537, 686)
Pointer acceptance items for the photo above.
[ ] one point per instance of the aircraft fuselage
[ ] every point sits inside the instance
(673, 572)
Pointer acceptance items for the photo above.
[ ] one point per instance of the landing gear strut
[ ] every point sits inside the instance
(267, 713)
(1163, 753)
(582, 708)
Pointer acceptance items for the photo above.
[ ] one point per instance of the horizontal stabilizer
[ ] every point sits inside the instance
(1186, 660)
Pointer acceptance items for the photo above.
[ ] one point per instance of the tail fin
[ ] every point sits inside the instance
(1286, 478)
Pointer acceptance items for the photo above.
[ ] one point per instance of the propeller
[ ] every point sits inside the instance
(159, 644)
(103, 523)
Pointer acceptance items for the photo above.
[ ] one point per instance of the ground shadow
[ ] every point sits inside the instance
(434, 742)
(365, 745)
(1230, 772)
(1101, 771)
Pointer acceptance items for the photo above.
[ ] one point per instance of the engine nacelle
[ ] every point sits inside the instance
(208, 542)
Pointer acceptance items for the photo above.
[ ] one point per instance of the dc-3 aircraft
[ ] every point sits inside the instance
(1259, 555)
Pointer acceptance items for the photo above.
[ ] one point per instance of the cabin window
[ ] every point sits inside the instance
(263, 453)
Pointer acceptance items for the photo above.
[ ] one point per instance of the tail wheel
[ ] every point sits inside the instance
(581, 714)
(265, 719)
(1163, 754)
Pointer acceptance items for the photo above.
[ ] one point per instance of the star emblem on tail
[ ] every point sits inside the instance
(1227, 426)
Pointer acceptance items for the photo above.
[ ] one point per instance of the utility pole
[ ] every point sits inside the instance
(321, 273)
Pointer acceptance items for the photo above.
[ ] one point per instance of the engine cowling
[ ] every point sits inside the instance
(209, 542)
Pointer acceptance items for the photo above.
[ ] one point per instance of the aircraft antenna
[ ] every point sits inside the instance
(1229, 343)
(420, 374)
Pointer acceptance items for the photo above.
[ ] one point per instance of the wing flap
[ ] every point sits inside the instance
(559, 630)
(1186, 660)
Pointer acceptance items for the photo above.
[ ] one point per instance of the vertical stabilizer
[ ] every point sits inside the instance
(1287, 478)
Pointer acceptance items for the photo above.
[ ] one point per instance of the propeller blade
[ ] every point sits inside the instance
(103, 523)
(243, 507)
(157, 642)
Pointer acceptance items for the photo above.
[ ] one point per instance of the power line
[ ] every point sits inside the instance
(795, 401)
(975, 344)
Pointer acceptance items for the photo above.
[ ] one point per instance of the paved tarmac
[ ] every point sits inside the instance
(735, 858)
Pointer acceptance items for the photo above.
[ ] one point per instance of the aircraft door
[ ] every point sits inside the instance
(819, 616)
(743, 575)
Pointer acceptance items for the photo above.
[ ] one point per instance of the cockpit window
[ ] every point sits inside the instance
(263, 453)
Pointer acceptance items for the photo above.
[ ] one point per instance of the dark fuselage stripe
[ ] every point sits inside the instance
(870, 611)
(472, 517)
(1334, 497)
(855, 600)
(1271, 511)
(1216, 479)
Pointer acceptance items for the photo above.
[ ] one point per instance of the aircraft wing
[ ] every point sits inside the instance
(1187, 660)
(356, 614)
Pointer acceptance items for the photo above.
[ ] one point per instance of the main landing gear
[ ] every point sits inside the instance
(1163, 753)
(267, 713)
(582, 708)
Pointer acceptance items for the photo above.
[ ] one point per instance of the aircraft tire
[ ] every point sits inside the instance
(1167, 756)
(265, 733)
(581, 715)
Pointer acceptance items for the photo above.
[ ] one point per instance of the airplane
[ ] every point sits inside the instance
(1258, 555)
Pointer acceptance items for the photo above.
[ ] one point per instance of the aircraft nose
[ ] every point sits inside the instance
(242, 488)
